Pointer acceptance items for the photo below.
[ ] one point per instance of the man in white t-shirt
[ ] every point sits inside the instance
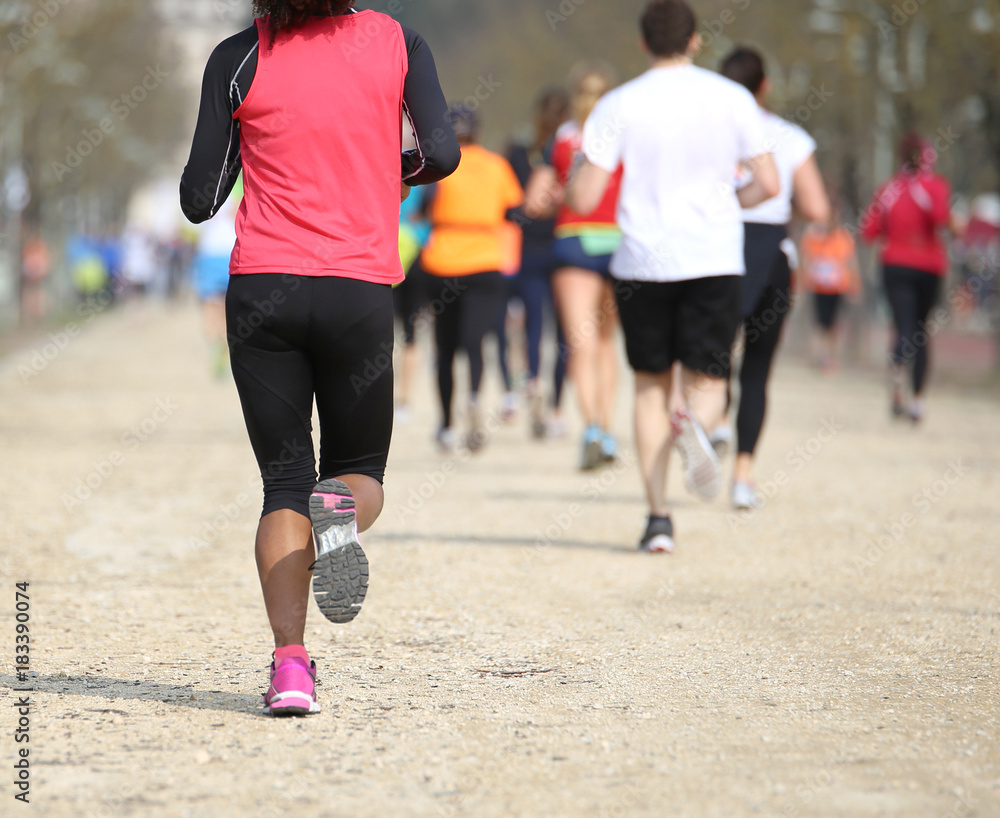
(681, 133)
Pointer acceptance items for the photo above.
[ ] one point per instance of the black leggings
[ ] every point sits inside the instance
(761, 334)
(466, 309)
(533, 285)
(295, 337)
(912, 295)
(826, 306)
(408, 298)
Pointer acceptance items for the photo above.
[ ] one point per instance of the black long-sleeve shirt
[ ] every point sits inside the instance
(215, 163)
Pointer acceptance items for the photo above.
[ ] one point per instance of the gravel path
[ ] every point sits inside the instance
(834, 654)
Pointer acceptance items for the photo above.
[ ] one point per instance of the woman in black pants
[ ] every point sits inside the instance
(309, 305)
(466, 290)
(907, 213)
(767, 285)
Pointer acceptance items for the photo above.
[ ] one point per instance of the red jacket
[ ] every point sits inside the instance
(907, 212)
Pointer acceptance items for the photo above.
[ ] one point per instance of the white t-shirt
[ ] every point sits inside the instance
(680, 133)
(791, 147)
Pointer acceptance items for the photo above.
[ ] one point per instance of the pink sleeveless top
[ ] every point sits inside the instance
(320, 142)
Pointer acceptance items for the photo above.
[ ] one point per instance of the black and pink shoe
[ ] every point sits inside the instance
(340, 573)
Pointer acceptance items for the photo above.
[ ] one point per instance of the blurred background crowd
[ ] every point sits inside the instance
(98, 100)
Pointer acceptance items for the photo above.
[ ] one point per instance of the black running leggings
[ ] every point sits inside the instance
(761, 334)
(912, 295)
(293, 338)
(466, 309)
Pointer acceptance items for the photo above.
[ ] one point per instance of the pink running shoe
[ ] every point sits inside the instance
(702, 470)
(340, 573)
(293, 684)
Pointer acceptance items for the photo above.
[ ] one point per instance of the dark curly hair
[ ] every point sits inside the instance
(288, 14)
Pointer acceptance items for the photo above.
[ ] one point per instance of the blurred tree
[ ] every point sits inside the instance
(92, 96)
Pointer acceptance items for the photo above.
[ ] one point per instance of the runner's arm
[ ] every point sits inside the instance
(215, 162)
(586, 188)
(809, 193)
(872, 221)
(766, 184)
(602, 148)
(437, 154)
(544, 194)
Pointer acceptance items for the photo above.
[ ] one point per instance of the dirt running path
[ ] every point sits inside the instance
(834, 654)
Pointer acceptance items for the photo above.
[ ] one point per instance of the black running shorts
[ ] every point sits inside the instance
(694, 322)
(293, 339)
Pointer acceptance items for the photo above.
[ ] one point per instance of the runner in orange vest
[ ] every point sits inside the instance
(829, 271)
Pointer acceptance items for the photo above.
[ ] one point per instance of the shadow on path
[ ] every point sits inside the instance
(524, 542)
(105, 687)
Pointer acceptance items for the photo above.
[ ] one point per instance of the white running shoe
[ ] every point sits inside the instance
(447, 440)
(702, 470)
(745, 497)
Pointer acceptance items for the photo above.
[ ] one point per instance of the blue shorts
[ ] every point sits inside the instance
(211, 276)
(569, 252)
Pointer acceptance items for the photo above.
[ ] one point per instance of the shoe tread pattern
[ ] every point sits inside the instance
(340, 573)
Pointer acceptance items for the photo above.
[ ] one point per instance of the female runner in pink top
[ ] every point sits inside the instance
(309, 104)
(908, 213)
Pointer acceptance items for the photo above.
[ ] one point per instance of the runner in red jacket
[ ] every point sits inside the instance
(908, 214)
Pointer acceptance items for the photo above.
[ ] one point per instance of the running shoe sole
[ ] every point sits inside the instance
(340, 573)
(292, 703)
(702, 471)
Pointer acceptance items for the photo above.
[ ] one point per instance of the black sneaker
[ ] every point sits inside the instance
(659, 536)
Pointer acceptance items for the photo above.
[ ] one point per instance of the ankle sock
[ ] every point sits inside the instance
(290, 652)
